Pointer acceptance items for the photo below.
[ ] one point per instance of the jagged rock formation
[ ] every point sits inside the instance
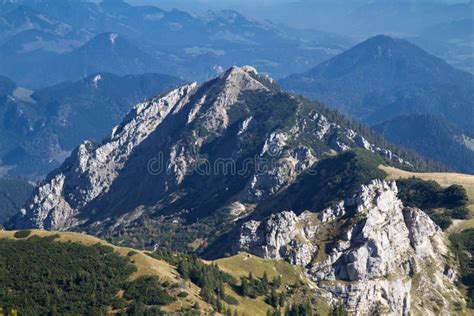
(369, 251)
(215, 150)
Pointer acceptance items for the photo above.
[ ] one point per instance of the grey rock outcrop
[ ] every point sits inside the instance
(381, 257)
(267, 240)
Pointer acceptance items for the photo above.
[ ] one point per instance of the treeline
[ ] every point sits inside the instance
(441, 204)
(40, 276)
(209, 278)
(213, 283)
(419, 162)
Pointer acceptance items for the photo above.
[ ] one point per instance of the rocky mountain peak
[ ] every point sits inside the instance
(152, 155)
(242, 77)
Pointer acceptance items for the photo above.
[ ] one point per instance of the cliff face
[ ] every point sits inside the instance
(369, 251)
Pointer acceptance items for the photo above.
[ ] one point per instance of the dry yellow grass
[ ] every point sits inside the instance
(241, 264)
(237, 266)
(145, 264)
(444, 179)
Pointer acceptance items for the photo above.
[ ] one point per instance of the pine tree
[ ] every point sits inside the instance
(273, 298)
(281, 300)
(276, 281)
(245, 286)
(265, 280)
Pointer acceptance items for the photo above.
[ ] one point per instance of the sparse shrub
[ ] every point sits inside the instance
(22, 233)
(183, 294)
(461, 212)
(442, 220)
(230, 300)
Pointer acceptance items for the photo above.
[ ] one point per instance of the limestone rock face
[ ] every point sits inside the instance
(282, 236)
(380, 257)
(91, 169)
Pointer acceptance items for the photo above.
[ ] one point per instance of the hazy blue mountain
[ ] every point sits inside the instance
(75, 33)
(13, 194)
(352, 18)
(106, 52)
(452, 41)
(384, 77)
(432, 137)
(39, 128)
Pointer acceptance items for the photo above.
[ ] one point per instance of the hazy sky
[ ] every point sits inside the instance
(355, 19)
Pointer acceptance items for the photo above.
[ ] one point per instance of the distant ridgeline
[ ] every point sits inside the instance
(412, 98)
(40, 128)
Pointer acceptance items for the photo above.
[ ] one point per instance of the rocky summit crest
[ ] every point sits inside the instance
(237, 115)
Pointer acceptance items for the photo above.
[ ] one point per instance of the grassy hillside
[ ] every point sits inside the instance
(242, 264)
(143, 265)
(445, 179)
(72, 267)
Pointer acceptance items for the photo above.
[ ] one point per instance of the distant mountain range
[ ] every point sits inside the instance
(383, 78)
(68, 40)
(40, 128)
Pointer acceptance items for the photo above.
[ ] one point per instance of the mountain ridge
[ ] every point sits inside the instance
(431, 136)
(191, 46)
(45, 125)
(221, 108)
(381, 65)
